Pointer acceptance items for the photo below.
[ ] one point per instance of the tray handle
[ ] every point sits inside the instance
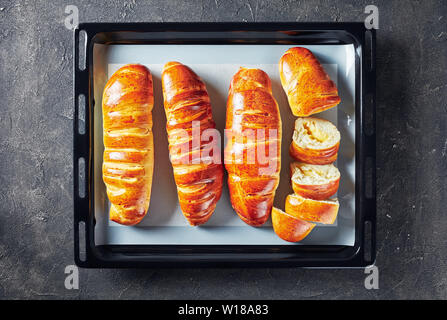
(81, 151)
(369, 147)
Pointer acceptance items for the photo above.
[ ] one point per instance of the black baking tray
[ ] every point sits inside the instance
(361, 255)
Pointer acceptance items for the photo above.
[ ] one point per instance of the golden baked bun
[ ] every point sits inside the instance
(308, 87)
(128, 163)
(315, 141)
(250, 107)
(314, 181)
(290, 228)
(197, 175)
(322, 211)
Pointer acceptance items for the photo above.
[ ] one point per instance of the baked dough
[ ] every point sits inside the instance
(251, 107)
(322, 211)
(290, 228)
(315, 141)
(128, 163)
(198, 177)
(308, 87)
(313, 181)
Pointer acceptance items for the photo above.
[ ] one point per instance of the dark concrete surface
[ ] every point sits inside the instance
(36, 104)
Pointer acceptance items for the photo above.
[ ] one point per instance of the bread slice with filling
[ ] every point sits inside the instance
(314, 181)
(315, 141)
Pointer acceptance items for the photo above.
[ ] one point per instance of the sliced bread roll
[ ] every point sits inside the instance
(315, 141)
(322, 211)
(307, 85)
(314, 181)
(288, 227)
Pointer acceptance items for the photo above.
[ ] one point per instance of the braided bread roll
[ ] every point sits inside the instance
(128, 163)
(198, 170)
(252, 182)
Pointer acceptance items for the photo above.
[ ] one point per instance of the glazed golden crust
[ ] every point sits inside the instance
(290, 228)
(317, 192)
(128, 143)
(316, 182)
(308, 87)
(324, 156)
(198, 178)
(312, 210)
(315, 141)
(252, 180)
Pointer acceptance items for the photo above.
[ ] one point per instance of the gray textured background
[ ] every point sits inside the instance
(36, 238)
